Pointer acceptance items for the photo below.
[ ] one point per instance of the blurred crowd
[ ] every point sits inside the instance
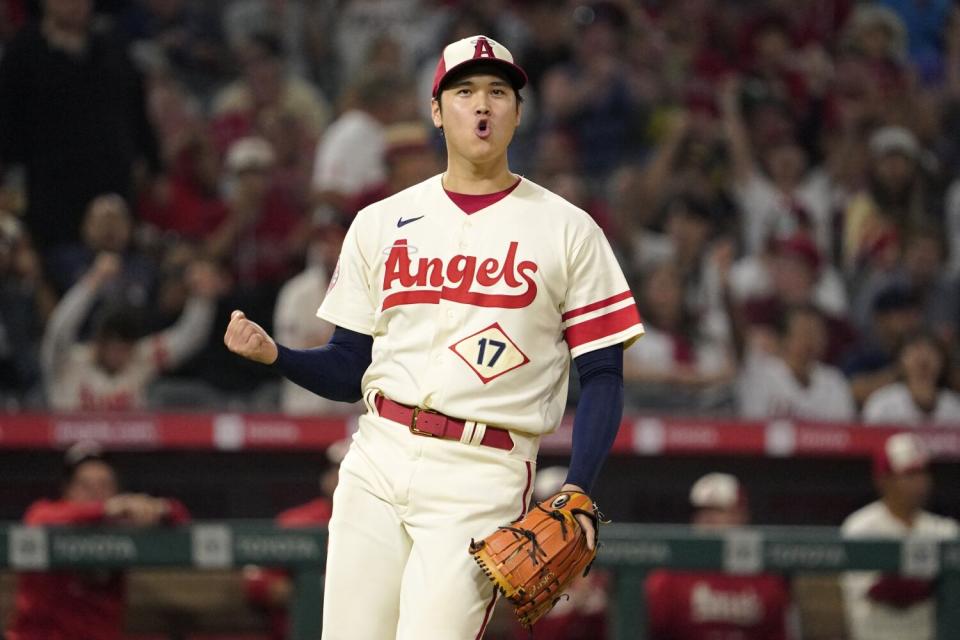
(780, 180)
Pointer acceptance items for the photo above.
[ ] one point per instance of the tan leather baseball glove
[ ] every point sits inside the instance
(533, 559)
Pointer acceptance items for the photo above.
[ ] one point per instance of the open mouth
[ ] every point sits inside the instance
(483, 129)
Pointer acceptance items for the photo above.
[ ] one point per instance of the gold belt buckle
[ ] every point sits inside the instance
(413, 423)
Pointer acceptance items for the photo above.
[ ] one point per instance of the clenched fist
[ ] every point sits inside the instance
(248, 339)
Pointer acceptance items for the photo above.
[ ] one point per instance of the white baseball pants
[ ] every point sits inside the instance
(404, 512)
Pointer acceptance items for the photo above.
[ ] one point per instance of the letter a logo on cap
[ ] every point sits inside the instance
(482, 49)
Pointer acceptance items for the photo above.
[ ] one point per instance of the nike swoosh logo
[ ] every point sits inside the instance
(401, 221)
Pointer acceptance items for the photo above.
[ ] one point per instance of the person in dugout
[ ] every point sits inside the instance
(89, 604)
(884, 606)
(686, 605)
(270, 589)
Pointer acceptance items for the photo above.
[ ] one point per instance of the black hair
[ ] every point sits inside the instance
(783, 320)
(269, 42)
(475, 69)
(373, 90)
(924, 335)
(78, 455)
(693, 205)
(896, 297)
(118, 322)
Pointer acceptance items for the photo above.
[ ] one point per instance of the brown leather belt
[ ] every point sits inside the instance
(423, 422)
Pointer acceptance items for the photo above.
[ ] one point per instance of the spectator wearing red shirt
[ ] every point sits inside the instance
(707, 605)
(187, 201)
(263, 232)
(67, 605)
(271, 589)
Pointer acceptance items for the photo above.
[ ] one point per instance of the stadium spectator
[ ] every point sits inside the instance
(873, 49)
(884, 606)
(777, 191)
(873, 362)
(791, 270)
(13, 14)
(676, 353)
(186, 201)
(112, 371)
(295, 321)
(922, 268)
(793, 274)
(591, 96)
(262, 236)
(792, 381)
(923, 24)
(685, 157)
(272, 589)
(60, 605)
(267, 92)
(410, 25)
(409, 157)
(107, 228)
(875, 218)
(920, 395)
(25, 302)
(182, 35)
(73, 112)
(708, 605)
(350, 158)
(300, 26)
(689, 224)
(952, 214)
(177, 115)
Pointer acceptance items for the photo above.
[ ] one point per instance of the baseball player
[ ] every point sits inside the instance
(458, 304)
(710, 605)
(91, 603)
(887, 606)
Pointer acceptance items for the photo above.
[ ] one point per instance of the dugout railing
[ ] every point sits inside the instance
(629, 551)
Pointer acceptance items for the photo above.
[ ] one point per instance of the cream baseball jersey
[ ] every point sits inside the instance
(871, 620)
(476, 316)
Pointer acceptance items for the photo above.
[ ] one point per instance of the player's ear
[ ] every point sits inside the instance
(436, 113)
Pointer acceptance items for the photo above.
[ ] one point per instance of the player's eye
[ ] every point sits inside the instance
(498, 92)
(463, 92)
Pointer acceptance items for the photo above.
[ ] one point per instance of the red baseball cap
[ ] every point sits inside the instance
(800, 246)
(901, 453)
(477, 50)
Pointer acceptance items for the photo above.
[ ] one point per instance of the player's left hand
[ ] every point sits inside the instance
(584, 521)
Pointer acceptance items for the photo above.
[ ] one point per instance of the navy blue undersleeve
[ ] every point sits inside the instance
(334, 370)
(598, 414)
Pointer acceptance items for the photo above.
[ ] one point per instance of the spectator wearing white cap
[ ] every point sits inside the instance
(890, 607)
(893, 200)
(706, 605)
(920, 395)
(262, 234)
